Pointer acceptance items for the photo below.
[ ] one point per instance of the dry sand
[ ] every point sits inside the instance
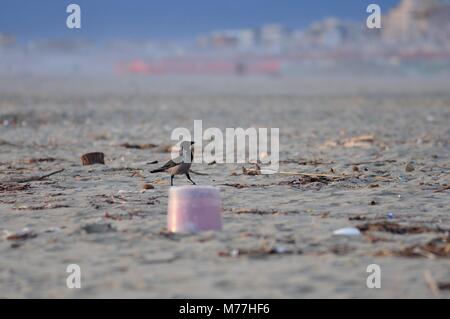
(277, 239)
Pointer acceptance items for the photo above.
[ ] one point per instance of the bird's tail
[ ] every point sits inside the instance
(157, 170)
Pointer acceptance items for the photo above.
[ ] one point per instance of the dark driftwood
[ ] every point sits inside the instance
(139, 146)
(442, 189)
(32, 178)
(93, 158)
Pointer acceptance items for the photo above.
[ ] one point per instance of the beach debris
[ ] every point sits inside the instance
(304, 162)
(3, 142)
(33, 178)
(409, 167)
(212, 163)
(138, 146)
(374, 162)
(444, 285)
(24, 233)
(98, 228)
(93, 158)
(240, 186)
(147, 186)
(362, 141)
(431, 283)
(13, 187)
(442, 189)
(168, 234)
(120, 216)
(41, 207)
(357, 217)
(54, 230)
(39, 160)
(375, 239)
(437, 247)
(348, 231)
(256, 211)
(137, 174)
(393, 228)
(308, 179)
(258, 252)
(322, 214)
(252, 171)
(372, 203)
(390, 215)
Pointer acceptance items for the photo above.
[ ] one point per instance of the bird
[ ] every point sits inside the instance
(180, 165)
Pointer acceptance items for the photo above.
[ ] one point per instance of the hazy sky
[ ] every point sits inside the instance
(171, 19)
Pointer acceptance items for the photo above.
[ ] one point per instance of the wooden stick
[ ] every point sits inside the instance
(432, 285)
(311, 174)
(33, 178)
(372, 162)
(442, 189)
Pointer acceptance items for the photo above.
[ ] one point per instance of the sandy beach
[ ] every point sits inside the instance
(382, 146)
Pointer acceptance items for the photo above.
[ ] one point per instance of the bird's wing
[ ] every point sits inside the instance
(172, 163)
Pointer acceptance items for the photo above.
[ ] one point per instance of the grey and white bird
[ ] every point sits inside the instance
(180, 165)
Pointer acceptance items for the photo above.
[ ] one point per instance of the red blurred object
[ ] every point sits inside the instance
(192, 66)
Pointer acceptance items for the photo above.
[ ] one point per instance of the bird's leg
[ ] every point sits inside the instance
(189, 178)
(171, 180)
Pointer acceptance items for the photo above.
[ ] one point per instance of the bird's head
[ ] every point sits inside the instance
(186, 150)
(186, 145)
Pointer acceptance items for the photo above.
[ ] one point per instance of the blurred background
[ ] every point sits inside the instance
(210, 37)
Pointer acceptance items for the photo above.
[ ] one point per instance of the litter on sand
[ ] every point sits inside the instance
(348, 231)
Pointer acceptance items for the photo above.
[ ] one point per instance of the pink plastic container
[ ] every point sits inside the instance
(193, 209)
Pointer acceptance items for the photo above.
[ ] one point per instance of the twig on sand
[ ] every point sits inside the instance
(33, 178)
(3, 142)
(443, 188)
(432, 284)
(312, 174)
(373, 162)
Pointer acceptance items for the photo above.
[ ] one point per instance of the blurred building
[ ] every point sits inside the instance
(332, 33)
(6, 40)
(418, 20)
(271, 35)
(240, 38)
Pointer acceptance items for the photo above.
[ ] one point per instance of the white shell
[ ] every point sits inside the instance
(348, 231)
